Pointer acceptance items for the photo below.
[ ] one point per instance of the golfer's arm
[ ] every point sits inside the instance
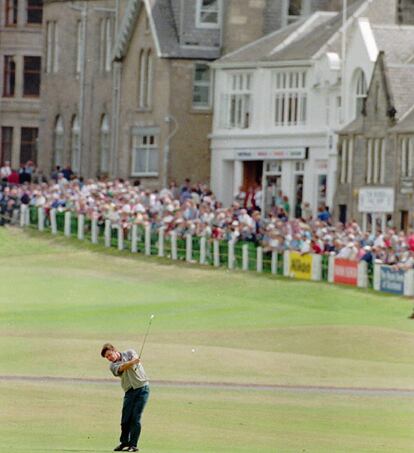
(128, 364)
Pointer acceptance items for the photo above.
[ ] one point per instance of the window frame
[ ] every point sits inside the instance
(52, 47)
(201, 84)
(11, 6)
(34, 8)
(9, 76)
(406, 156)
(75, 144)
(59, 138)
(347, 155)
(200, 10)
(34, 131)
(138, 138)
(6, 142)
(237, 101)
(360, 91)
(34, 72)
(284, 113)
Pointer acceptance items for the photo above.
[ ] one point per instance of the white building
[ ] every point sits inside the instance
(278, 104)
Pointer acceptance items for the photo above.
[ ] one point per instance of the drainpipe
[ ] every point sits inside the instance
(168, 119)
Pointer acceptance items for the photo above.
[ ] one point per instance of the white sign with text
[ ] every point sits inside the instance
(376, 199)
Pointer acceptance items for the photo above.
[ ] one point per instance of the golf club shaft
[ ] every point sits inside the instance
(145, 338)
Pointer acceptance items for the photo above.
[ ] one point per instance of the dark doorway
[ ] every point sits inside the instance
(404, 220)
(342, 213)
(252, 173)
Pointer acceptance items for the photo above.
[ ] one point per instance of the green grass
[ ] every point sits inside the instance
(60, 300)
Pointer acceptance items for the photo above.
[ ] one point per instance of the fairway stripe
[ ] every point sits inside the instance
(225, 385)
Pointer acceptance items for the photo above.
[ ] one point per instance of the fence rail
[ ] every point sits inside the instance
(246, 256)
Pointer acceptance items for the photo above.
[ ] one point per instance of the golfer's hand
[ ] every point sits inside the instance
(136, 361)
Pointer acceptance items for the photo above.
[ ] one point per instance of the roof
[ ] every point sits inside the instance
(166, 32)
(396, 41)
(400, 78)
(298, 41)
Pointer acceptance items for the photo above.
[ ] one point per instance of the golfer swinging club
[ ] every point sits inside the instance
(127, 365)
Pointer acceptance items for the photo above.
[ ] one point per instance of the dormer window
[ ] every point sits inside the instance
(294, 9)
(208, 13)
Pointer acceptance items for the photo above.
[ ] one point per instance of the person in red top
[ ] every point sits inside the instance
(410, 241)
(13, 178)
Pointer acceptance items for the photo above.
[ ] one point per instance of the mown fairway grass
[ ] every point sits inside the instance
(60, 301)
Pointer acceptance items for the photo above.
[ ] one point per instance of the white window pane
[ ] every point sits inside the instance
(153, 161)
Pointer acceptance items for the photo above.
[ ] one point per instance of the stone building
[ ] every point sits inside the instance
(147, 113)
(20, 69)
(375, 183)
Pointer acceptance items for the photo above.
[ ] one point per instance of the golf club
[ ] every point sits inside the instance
(146, 334)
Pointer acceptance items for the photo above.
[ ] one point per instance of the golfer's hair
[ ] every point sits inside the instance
(107, 347)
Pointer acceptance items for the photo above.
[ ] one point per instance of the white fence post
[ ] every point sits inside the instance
(81, 227)
(259, 259)
(134, 238)
(286, 263)
(274, 262)
(120, 237)
(230, 255)
(188, 247)
(331, 268)
(41, 219)
(27, 216)
(174, 254)
(409, 282)
(23, 209)
(94, 230)
(377, 276)
(107, 233)
(216, 253)
(203, 250)
(67, 228)
(161, 232)
(147, 239)
(316, 267)
(362, 276)
(245, 257)
(53, 224)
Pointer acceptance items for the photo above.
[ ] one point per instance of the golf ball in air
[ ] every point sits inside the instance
(193, 350)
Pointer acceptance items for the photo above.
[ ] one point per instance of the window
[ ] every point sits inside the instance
(407, 150)
(208, 13)
(10, 13)
(9, 76)
(52, 47)
(34, 11)
(31, 76)
(145, 155)
(201, 86)
(290, 100)
(58, 141)
(145, 74)
(375, 161)
(106, 45)
(360, 91)
(78, 47)
(104, 143)
(347, 154)
(294, 10)
(75, 145)
(236, 104)
(28, 144)
(6, 144)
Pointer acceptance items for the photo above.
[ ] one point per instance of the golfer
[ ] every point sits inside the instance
(134, 382)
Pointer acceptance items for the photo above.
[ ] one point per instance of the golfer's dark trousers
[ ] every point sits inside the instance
(134, 403)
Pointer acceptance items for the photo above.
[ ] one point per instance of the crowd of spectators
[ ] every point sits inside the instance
(194, 209)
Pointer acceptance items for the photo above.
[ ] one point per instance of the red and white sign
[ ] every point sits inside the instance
(346, 272)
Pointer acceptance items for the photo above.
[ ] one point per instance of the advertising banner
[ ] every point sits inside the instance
(300, 266)
(391, 280)
(346, 272)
